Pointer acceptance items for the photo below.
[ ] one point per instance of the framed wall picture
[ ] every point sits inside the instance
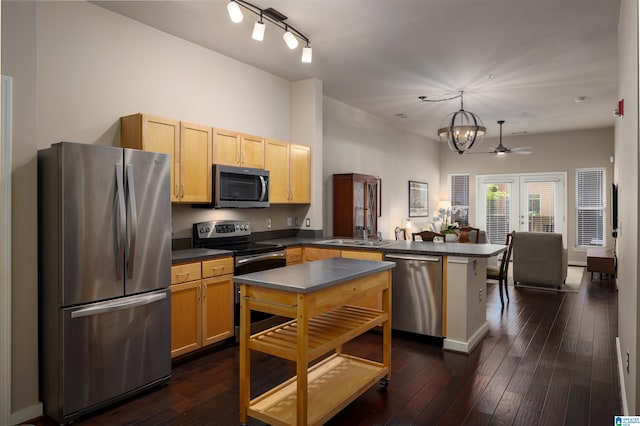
(418, 199)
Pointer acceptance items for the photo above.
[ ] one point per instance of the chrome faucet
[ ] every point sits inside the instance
(380, 236)
(365, 236)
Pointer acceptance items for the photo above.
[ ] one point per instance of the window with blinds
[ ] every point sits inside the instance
(590, 207)
(459, 196)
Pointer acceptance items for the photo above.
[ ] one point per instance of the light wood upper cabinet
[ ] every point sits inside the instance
(237, 149)
(188, 145)
(195, 163)
(289, 168)
(300, 173)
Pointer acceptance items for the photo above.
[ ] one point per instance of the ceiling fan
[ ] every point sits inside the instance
(502, 150)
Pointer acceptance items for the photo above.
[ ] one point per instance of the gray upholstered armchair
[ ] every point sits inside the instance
(539, 258)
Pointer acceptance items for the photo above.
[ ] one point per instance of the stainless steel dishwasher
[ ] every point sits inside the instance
(417, 294)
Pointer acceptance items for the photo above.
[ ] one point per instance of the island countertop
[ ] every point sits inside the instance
(309, 277)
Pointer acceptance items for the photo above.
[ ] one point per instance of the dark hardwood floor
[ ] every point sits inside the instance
(549, 359)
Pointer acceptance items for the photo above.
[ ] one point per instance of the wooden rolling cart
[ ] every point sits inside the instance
(316, 296)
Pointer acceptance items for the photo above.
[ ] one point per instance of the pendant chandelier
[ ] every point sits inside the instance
(462, 129)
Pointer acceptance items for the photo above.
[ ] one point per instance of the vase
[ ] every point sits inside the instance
(451, 238)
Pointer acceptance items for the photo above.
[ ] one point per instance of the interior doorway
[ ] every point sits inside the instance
(521, 202)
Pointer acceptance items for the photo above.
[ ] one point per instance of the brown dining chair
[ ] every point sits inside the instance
(501, 272)
(401, 233)
(426, 235)
(472, 234)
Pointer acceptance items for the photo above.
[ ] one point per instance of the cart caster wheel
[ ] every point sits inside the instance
(384, 382)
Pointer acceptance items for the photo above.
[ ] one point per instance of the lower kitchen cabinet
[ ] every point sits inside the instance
(373, 301)
(201, 304)
(293, 255)
(318, 253)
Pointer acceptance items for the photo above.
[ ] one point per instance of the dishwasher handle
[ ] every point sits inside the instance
(413, 257)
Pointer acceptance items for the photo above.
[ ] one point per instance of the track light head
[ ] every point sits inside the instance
(290, 39)
(258, 30)
(234, 11)
(307, 54)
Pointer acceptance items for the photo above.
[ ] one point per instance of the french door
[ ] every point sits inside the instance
(522, 202)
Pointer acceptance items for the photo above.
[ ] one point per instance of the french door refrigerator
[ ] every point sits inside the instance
(104, 243)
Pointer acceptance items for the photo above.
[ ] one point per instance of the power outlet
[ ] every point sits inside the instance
(289, 221)
(296, 221)
(307, 222)
(480, 295)
(626, 362)
(268, 223)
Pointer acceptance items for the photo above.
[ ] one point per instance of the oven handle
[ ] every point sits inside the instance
(243, 260)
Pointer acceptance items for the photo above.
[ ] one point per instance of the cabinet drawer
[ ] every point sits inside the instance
(185, 272)
(215, 267)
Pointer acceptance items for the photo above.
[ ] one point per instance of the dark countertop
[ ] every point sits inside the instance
(197, 255)
(309, 277)
(445, 249)
(390, 246)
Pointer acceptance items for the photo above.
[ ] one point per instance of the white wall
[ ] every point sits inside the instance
(552, 152)
(626, 172)
(77, 68)
(356, 142)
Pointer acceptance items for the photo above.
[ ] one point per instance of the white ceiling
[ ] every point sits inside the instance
(523, 61)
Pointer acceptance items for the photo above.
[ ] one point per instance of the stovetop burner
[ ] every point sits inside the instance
(229, 235)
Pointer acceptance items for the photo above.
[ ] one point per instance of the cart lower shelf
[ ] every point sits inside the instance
(332, 385)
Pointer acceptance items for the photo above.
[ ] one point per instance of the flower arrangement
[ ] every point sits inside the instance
(450, 228)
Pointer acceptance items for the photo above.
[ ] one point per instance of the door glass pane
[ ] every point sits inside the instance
(541, 215)
(358, 207)
(372, 208)
(498, 212)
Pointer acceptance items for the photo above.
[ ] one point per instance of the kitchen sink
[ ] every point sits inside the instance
(350, 242)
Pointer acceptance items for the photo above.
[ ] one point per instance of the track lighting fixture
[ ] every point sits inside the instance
(290, 36)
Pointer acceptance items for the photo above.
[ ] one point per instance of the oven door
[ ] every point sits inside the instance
(254, 263)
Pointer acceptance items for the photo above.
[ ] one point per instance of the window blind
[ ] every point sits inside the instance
(590, 207)
(459, 196)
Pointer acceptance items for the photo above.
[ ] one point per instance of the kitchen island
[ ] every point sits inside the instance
(317, 296)
(464, 286)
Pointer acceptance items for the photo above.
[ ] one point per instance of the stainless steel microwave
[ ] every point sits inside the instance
(240, 187)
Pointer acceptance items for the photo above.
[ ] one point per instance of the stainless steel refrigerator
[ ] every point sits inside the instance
(104, 258)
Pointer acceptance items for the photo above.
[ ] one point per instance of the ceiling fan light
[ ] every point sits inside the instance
(307, 55)
(258, 31)
(235, 14)
(290, 39)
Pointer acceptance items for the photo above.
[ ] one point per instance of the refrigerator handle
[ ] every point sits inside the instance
(134, 219)
(121, 221)
(117, 305)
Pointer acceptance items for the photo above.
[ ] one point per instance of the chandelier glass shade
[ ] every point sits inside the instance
(461, 130)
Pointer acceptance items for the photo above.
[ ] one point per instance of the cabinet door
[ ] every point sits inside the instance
(217, 309)
(252, 151)
(226, 147)
(276, 160)
(358, 207)
(373, 301)
(371, 206)
(195, 163)
(186, 318)
(157, 134)
(293, 255)
(300, 174)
